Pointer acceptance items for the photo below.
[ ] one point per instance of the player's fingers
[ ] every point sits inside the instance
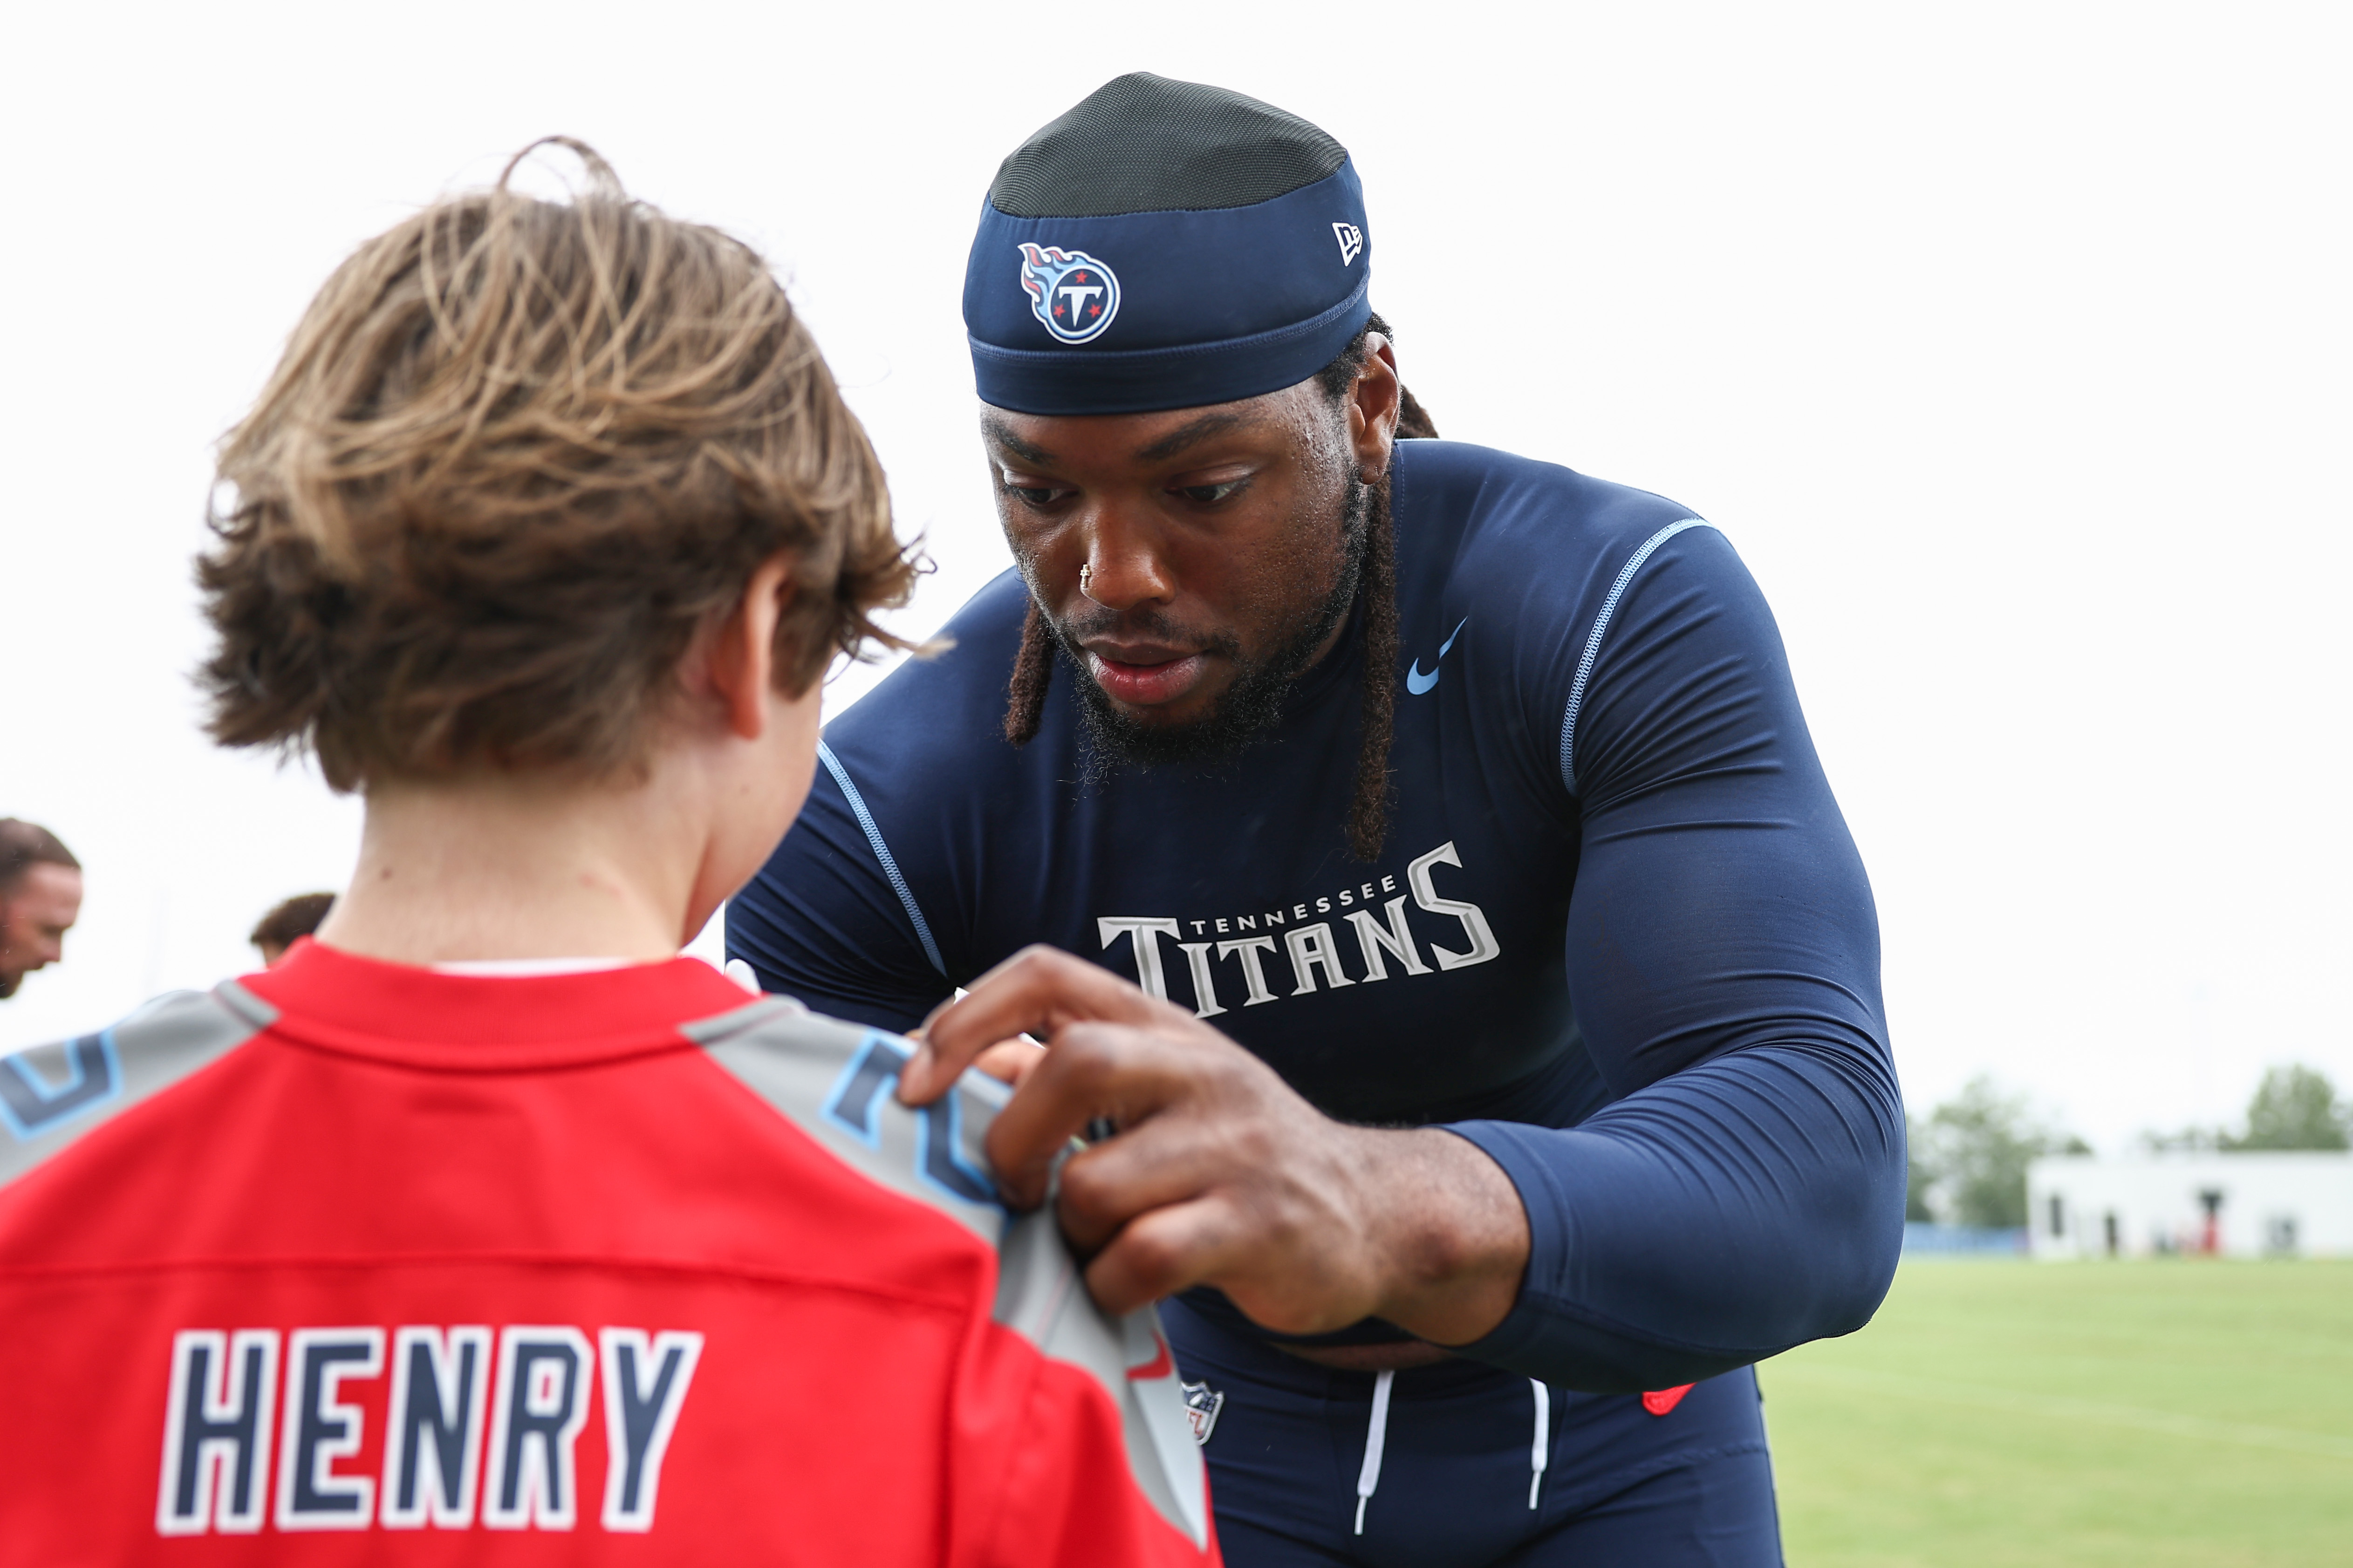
(1164, 1252)
(1167, 1159)
(1205, 1136)
(1036, 991)
(1009, 1061)
(1095, 1070)
(1039, 990)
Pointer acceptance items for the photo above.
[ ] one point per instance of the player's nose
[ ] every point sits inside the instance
(1122, 567)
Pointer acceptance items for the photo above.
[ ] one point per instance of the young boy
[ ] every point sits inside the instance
(486, 1216)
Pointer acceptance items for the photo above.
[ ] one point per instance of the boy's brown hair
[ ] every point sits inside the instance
(518, 454)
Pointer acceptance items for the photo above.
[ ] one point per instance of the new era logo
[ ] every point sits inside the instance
(1351, 238)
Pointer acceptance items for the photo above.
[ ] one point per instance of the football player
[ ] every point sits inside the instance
(485, 1217)
(1472, 795)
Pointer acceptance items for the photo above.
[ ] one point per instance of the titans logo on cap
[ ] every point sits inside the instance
(1240, 227)
(1071, 293)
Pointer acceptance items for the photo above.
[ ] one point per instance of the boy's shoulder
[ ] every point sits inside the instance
(837, 1082)
(53, 1095)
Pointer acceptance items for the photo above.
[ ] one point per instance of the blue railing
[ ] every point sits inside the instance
(1963, 1240)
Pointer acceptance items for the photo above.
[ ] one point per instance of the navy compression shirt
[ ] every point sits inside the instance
(1619, 936)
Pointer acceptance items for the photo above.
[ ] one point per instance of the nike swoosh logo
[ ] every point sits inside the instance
(1161, 1365)
(1417, 682)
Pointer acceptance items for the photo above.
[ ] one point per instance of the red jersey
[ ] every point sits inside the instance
(349, 1260)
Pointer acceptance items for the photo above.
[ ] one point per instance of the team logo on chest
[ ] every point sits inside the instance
(1074, 295)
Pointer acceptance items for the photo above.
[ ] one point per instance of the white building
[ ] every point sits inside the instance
(2237, 1205)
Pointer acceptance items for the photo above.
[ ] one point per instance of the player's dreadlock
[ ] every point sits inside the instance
(1033, 665)
(1368, 809)
(1033, 669)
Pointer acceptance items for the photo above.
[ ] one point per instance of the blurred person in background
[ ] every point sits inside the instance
(40, 899)
(290, 922)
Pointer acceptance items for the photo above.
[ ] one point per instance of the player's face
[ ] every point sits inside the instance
(1180, 553)
(33, 921)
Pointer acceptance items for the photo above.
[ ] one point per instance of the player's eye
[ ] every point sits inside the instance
(1211, 495)
(1028, 494)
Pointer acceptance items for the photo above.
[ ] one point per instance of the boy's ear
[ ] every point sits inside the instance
(742, 661)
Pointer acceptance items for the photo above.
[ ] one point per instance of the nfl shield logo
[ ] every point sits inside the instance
(1201, 1406)
(1072, 293)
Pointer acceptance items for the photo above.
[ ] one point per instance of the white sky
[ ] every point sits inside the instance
(2008, 343)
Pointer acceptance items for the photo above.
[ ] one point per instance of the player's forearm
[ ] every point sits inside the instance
(1447, 1230)
(1714, 1219)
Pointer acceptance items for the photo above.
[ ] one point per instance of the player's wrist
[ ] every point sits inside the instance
(1447, 1230)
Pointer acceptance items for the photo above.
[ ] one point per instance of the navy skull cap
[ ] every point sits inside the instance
(1164, 245)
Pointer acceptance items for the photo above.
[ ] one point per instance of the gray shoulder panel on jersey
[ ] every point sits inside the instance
(838, 1083)
(1041, 1297)
(52, 1095)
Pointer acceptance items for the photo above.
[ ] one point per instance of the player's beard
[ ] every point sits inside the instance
(1252, 705)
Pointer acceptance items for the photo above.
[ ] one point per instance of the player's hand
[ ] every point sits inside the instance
(1221, 1174)
(1009, 1061)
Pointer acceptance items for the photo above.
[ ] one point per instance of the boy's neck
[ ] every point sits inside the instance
(508, 867)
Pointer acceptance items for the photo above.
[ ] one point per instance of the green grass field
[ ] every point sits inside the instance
(2000, 1413)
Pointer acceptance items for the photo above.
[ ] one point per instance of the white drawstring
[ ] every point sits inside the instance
(1377, 1436)
(1538, 1455)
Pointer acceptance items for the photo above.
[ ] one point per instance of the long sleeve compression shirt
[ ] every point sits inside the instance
(1618, 937)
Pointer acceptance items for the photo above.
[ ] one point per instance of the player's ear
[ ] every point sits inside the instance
(1374, 402)
(739, 660)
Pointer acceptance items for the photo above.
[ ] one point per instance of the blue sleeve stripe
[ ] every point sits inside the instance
(881, 853)
(1592, 646)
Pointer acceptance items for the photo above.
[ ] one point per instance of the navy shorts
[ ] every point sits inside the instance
(1445, 1467)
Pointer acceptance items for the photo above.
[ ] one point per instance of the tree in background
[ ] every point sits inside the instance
(2296, 1108)
(1970, 1158)
(1917, 1177)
